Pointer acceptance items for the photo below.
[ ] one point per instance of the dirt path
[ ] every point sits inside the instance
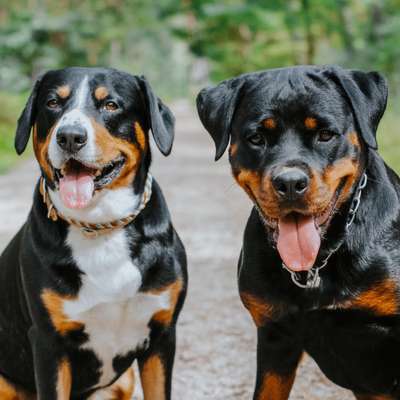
(216, 338)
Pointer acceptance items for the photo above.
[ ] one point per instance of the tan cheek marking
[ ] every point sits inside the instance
(140, 136)
(341, 169)
(353, 139)
(41, 149)
(269, 123)
(233, 149)
(275, 387)
(152, 376)
(64, 91)
(382, 299)
(101, 93)
(54, 304)
(259, 190)
(248, 179)
(122, 389)
(259, 309)
(64, 380)
(310, 123)
(164, 317)
(111, 148)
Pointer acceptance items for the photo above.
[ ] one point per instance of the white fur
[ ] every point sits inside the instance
(105, 206)
(76, 116)
(115, 315)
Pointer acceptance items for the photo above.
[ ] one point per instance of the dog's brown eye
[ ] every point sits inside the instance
(111, 106)
(256, 140)
(325, 136)
(53, 103)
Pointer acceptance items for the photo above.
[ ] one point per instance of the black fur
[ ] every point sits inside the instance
(357, 347)
(38, 257)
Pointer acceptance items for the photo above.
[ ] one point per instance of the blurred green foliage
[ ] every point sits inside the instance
(244, 35)
(37, 35)
(181, 45)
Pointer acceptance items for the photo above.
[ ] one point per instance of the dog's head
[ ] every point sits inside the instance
(298, 139)
(90, 130)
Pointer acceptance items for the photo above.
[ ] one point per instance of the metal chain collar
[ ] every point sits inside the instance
(313, 279)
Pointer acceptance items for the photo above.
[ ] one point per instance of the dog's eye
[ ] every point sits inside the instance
(325, 136)
(53, 103)
(111, 106)
(256, 140)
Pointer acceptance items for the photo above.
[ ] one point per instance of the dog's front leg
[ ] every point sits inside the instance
(156, 366)
(52, 368)
(277, 358)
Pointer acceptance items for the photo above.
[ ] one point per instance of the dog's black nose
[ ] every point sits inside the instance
(71, 138)
(291, 183)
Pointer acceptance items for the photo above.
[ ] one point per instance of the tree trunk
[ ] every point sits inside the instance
(310, 39)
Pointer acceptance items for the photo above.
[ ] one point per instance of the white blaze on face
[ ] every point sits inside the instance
(76, 116)
(76, 187)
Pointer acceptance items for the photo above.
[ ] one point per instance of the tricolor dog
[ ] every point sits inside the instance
(320, 264)
(96, 277)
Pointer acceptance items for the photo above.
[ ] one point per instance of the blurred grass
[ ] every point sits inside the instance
(11, 106)
(388, 135)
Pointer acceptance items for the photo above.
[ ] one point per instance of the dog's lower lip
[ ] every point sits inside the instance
(102, 175)
(320, 219)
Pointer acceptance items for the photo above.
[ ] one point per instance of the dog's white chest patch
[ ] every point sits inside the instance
(115, 315)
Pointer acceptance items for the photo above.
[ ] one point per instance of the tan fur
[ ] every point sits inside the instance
(111, 148)
(318, 197)
(310, 123)
(64, 380)
(122, 389)
(275, 387)
(382, 299)
(261, 311)
(270, 123)
(64, 91)
(164, 317)
(10, 392)
(41, 149)
(140, 136)
(233, 149)
(353, 139)
(101, 93)
(54, 305)
(152, 376)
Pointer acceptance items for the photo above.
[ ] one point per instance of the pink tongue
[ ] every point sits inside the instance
(76, 189)
(298, 242)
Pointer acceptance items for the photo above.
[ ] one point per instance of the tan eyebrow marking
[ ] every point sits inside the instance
(310, 123)
(63, 91)
(101, 93)
(270, 123)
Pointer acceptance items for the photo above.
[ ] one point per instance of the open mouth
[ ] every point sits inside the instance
(78, 181)
(298, 235)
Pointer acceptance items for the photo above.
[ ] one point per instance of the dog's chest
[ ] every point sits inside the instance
(114, 313)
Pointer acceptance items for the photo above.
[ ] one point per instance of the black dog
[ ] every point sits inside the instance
(320, 264)
(96, 277)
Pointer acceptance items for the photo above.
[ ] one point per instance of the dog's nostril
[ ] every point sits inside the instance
(301, 186)
(281, 187)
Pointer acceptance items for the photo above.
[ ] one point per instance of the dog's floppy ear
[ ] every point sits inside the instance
(161, 120)
(26, 120)
(367, 93)
(216, 107)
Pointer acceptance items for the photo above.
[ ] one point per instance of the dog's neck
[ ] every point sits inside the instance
(106, 206)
